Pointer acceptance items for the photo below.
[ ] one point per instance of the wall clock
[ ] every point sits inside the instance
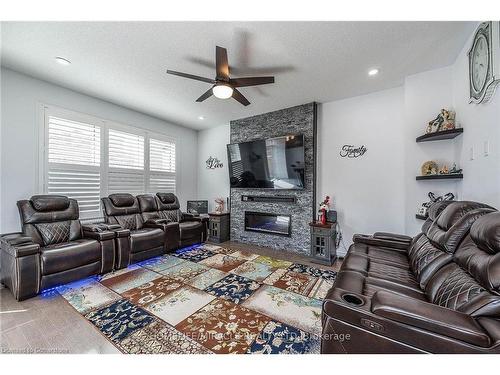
(484, 62)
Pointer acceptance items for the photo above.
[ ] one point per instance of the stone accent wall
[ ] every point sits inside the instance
(294, 120)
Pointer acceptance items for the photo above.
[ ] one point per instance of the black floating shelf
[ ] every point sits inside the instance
(451, 176)
(421, 217)
(439, 136)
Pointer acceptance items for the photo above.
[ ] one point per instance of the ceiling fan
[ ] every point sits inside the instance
(225, 87)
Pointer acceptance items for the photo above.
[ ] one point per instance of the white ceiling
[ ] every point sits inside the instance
(125, 62)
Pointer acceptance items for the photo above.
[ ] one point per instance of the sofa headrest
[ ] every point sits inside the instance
(46, 203)
(485, 232)
(147, 203)
(124, 206)
(455, 211)
(167, 201)
(458, 221)
(42, 209)
(479, 254)
(122, 199)
(436, 208)
(166, 198)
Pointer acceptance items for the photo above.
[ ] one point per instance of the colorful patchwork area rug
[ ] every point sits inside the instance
(206, 299)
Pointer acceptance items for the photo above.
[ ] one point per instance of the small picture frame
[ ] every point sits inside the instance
(197, 207)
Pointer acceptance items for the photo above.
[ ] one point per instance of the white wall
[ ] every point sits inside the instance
(368, 191)
(425, 95)
(213, 183)
(378, 191)
(21, 98)
(481, 123)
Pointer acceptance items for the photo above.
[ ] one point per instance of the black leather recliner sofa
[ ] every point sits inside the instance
(436, 293)
(53, 248)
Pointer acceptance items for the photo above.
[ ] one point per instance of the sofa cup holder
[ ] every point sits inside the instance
(352, 299)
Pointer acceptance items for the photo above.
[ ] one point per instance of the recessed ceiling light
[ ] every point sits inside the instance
(201, 118)
(63, 61)
(373, 72)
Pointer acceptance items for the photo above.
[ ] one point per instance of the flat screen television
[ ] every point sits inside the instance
(273, 163)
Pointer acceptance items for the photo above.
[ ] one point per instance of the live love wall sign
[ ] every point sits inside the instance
(350, 151)
(213, 163)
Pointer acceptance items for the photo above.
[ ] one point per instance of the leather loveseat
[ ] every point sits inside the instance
(146, 239)
(192, 229)
(53, 248)
(438, 292)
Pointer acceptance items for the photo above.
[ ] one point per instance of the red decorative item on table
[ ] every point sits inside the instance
(323, 207)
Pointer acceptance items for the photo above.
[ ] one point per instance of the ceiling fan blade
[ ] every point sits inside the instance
(221, 64)
(206, 95)
(251, 81)
(240, 98)
(191, 76)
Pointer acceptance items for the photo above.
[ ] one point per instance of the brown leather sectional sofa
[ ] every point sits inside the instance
(55, 248)
(438, 292)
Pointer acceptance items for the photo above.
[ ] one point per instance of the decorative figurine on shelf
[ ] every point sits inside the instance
(449, 121)
(455, 170)
(444, 121)
(444, 170)
(323, 207)
(219, 205)
(423, 210)
(429, 168)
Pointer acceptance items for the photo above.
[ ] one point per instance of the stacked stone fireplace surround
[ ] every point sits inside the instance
(295, 120)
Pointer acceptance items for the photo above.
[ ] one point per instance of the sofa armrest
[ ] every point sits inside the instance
(393, 237)
(156, 221)
(190, 217)
(379, 242)
(20, 258)
(106, 237)
(98, 232)
(18, 245)
(429, 317)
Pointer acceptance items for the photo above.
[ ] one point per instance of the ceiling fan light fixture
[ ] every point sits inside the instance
(222, 91)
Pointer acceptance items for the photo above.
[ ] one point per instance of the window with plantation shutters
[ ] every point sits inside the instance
(73, 162)
(162, 177)
(125, 162)
(87, 158)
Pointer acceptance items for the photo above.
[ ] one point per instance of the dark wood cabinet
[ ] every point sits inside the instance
(323, 249)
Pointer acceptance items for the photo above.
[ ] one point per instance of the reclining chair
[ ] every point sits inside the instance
(193, 229)
(53, 248)
(440, 294)
(146, 239)
(150, 214)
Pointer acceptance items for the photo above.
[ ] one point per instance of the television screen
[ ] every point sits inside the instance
(197, 207)
(274, 163)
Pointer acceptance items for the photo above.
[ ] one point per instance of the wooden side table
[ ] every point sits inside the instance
(218, 227)
(323, 249)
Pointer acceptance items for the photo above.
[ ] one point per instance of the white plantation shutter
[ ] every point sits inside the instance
(73, 162)
(126, 150)
(86, 158)
(125, 162)
(162, 173)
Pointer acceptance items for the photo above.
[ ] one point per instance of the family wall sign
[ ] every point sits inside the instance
(350, 151)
